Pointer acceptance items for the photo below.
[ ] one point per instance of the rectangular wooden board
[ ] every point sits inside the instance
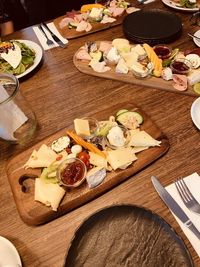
(148, 82)
(96, 26)
(35, 213)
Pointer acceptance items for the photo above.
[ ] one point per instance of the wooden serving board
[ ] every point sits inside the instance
(96, 26)
(149, 82)
(35, 213)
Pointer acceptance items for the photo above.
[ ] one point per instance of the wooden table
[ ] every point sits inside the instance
(58, 93)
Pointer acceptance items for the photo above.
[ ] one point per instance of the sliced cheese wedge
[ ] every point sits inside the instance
(142, 138)
(120, 157)
(48, 194)
(41, 158)
(97, 160)
(13, 56)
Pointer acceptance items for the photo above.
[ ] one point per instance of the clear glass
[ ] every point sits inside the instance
(195, 18)
(17, 119)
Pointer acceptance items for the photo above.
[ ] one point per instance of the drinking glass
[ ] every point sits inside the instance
(17, 119)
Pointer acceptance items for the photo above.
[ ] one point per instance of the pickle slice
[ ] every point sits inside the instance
(196, 88)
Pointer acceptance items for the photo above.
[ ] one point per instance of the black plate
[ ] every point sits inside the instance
(126, 235)
(152, 26)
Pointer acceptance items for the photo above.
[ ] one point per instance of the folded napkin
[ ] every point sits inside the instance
(193, 183)
(43, 39)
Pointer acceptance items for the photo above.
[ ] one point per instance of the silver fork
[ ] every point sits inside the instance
(188, 199)
(49, 42)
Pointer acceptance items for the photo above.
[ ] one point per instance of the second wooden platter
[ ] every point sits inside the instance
(35, 213)
(148, 82)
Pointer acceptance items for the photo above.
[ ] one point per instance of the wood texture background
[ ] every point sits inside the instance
(58, 93)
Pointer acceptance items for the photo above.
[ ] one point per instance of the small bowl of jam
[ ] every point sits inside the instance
(71, 172)
(180, 66)
(162, 51)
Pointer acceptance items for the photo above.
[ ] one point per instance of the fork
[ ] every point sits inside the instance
(49, 42)
(193, 36)
(188, 199)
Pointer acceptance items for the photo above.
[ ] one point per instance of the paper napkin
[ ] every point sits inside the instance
(11, 117)
(193, 183)
(43, 39)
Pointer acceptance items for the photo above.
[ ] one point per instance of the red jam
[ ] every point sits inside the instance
(72, 173)
(162, 51)
(179, 67)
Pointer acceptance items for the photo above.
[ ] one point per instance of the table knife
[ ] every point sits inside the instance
(174, 207)
(56, 39)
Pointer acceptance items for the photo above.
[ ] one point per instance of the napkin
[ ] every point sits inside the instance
(11, 117)
(43, 39)
(193, 183)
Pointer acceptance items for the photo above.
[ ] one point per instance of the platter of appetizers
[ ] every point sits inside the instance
(84, 160)
(183, 5)
(159, 66)
(19, 57)
(92, 18)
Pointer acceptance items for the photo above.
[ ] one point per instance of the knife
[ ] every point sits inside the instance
(174, 207)
(56, 39)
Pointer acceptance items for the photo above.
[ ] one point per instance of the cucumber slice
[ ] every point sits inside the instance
(128, 119)
(72, 25)
(196, 88)
(97, 55)
(121, 111)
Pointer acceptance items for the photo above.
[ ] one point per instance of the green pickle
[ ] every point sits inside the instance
(196, 88)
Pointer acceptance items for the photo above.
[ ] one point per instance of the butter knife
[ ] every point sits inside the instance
(56, 39)
(174, 207)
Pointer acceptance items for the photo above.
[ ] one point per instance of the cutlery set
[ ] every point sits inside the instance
(55, 38)
(189, 201)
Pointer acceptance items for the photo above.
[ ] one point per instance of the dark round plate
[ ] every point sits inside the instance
(126, 235)
(152, 26)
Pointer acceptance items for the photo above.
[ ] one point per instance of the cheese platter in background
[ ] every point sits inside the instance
(110, 159)
(159, 66)
(92, 18)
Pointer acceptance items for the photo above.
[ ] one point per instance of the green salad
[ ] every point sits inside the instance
(28, 56)
(187, 4)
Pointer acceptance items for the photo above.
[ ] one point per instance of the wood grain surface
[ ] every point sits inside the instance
(149, 82)
(34, 213)
(58, 93)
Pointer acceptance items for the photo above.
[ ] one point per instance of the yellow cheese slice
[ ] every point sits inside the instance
(48, 194)
(82, 127)
(41, 158)
(142, 138)
(120, 157)
(13, 57)
(97, 160)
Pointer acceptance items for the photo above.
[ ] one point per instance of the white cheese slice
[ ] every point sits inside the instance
(41, 158)
(48, 194)
(138, 149)
(82, 127)
(120, 157)
(13, 57)
(142, 138)
(121, 67)
(97, 160)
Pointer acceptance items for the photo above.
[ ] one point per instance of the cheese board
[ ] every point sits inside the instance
(22, 180)
(111, 60)
(92, 18)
